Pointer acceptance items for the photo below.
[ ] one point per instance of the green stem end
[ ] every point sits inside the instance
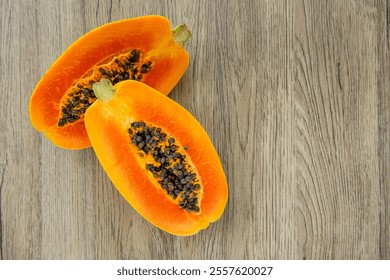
(181, 34)
(104, 89)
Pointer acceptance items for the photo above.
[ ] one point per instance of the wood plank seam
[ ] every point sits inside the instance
(1, 213)
(387, 23)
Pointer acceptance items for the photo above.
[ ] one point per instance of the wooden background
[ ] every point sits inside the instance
(294, 95)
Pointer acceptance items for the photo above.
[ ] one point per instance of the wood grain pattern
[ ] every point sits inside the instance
(294, 95)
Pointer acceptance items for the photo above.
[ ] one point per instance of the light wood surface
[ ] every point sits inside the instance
(294, 95)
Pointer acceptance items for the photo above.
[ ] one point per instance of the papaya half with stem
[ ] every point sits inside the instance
(158, 156)
(145, 49)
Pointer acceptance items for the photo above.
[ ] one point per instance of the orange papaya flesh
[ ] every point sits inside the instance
(143, 49)
(159, 158)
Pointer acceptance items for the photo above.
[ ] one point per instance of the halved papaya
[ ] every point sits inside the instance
(158, 156)
(143, 49)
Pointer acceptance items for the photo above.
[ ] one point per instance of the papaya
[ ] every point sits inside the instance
(158, 156)
(143, 49)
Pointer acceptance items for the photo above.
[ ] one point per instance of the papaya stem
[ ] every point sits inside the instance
(104, 89)
(181, 34)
